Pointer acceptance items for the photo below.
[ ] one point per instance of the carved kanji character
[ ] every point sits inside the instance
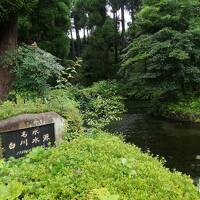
(24, 142)
(35, 132)
(24, 134)
(35, 140)
(12, 145)
(46, 138)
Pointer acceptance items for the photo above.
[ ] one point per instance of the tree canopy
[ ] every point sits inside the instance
(164, 54)
(13, 7)
(50, 31)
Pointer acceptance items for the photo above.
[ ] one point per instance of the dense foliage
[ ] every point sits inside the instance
(183, 110)
(34, 70)
(161, 62)
(101, 103)
(95, 167)
(94, 28)
(99, 53)
(96, 106)
(9, 8)
(59, 101)
(163, 57)
(50, 32)
(103, 37)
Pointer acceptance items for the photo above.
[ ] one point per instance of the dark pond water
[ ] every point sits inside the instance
(178, 143)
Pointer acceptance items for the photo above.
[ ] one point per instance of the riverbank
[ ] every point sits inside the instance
(187, 110)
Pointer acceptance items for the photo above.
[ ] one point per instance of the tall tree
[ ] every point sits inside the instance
(73, 52)
(133, 6)
(98, 55)
(79, 15)
(9, 12)
(123, 5)
(115, 5)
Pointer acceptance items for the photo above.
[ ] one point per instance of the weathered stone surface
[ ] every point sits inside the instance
(32, 120)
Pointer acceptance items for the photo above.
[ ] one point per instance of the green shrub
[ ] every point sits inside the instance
(97, 105)
(101, 103)
(185, 106)
(63, 103)
(34, 70)
(104, 88)
(57, 101)
(97, 166)
(71, 74)
(182, 110)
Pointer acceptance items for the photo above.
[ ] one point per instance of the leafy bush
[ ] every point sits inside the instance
(62, 102)
(34, 69)
(97, 106)
(71, 74)
(104, 88)
(97, 166)
(183, 110)
(101, 103)
(57, 101)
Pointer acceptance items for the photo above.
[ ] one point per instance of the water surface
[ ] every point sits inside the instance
(177, 142)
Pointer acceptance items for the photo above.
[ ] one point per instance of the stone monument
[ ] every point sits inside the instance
(18, 135)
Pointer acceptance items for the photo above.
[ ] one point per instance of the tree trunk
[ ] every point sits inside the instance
(8, 41)
(88, 33)
(72, 44)
(134, 7)
(116, 39)
(123, 26)
(84, 35)
(78, 39)
(132, 12)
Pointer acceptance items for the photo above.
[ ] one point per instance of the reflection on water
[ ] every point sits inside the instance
(178, 143)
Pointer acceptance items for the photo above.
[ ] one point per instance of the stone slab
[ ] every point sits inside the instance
(15, 126)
